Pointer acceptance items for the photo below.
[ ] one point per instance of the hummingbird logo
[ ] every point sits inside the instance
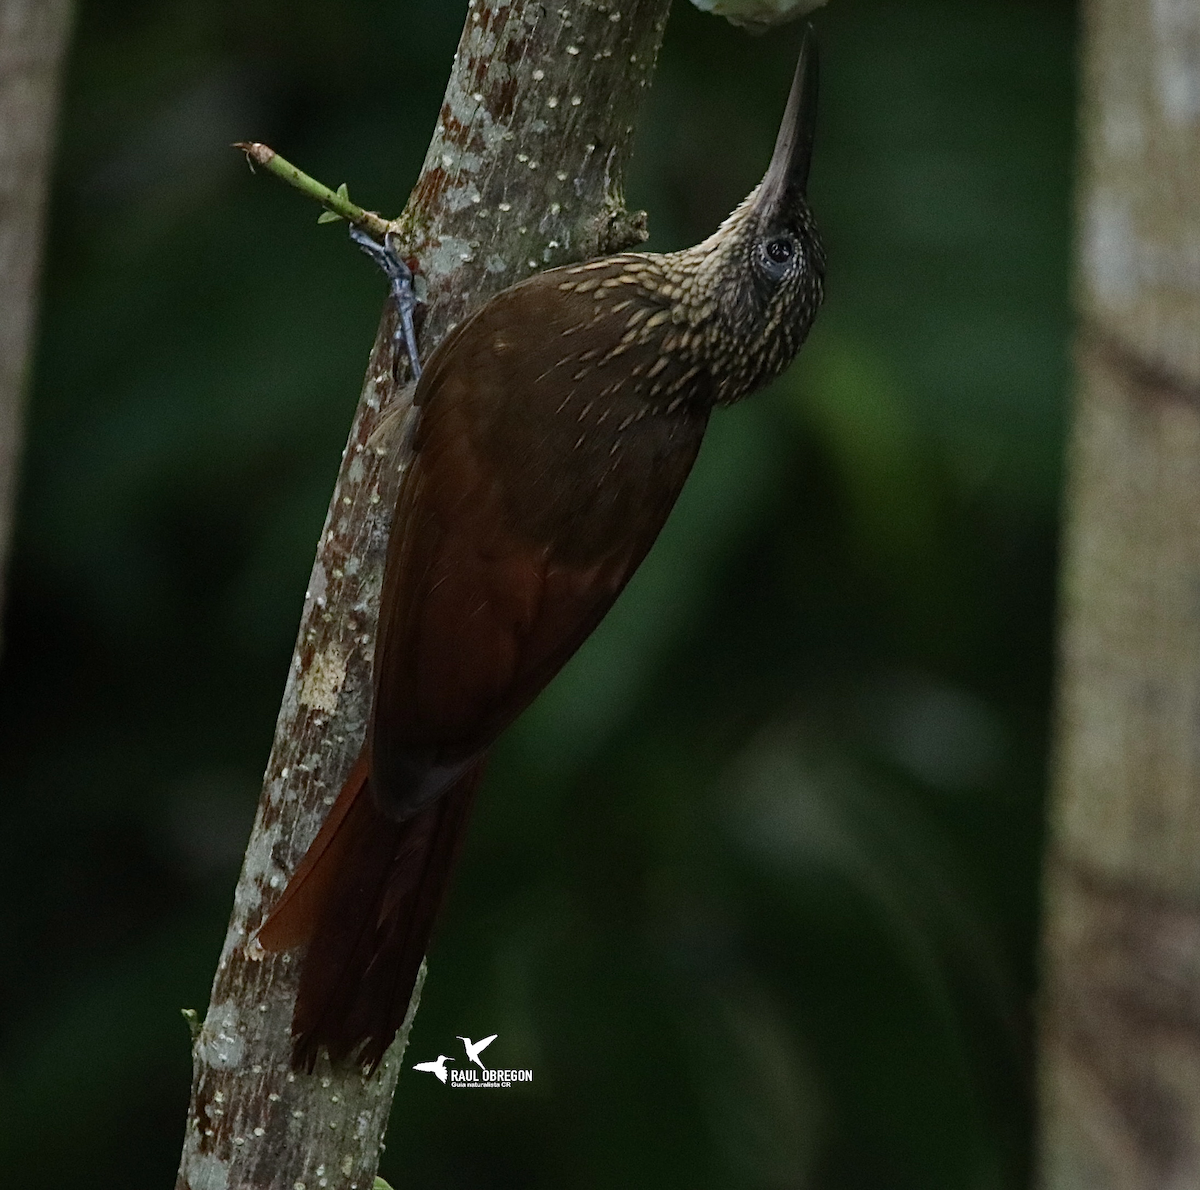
(485, 1078)
(475, 1048)
(438, 1067)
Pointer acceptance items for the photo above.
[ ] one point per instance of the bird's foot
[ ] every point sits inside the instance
(400, 281)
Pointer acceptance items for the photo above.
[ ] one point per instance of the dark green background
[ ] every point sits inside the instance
(753, 887)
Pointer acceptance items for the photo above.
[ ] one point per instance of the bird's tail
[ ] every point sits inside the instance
(365, 898)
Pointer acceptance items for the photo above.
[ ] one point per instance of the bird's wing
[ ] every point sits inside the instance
(539, 481)
(482, 1045)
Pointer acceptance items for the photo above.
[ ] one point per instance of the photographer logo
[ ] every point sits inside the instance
(466, 1076)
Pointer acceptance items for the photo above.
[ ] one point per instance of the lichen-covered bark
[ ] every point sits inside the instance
(524, 171)
(33, 36)
(1120, 1066)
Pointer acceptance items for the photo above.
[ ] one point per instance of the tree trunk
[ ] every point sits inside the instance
(1120, 1067)
(524, 171)
(33, 36)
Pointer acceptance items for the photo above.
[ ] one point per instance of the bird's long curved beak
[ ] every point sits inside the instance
(787, 175)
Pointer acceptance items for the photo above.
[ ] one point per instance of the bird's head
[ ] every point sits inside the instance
(765, 265)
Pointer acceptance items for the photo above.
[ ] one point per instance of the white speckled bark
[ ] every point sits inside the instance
(1120, 1062)
(524, 171)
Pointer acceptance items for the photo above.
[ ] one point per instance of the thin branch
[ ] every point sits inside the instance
(337, 202)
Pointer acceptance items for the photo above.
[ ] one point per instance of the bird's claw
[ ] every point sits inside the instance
(400, 281)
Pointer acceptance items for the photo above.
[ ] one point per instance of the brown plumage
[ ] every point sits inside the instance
(556, 428)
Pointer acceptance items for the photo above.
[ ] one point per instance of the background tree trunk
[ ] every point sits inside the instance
(1121, 1016)
(33, 36)
(524, 172)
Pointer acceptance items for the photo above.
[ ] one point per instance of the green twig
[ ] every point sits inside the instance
(337, 202)
(194, 1023)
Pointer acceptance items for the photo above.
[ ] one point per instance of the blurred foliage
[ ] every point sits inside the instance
(753, 887)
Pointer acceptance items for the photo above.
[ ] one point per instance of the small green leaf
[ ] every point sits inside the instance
(193, 1021)
(380, 1184)
(328, 217)
(343, 192)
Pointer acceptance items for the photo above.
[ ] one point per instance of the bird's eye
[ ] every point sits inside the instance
(780, 251)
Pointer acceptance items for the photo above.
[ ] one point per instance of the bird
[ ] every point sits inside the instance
(555, 427)
(438, 1067)
(474, 1049)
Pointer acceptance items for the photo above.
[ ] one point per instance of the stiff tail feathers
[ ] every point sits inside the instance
(365, 898)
